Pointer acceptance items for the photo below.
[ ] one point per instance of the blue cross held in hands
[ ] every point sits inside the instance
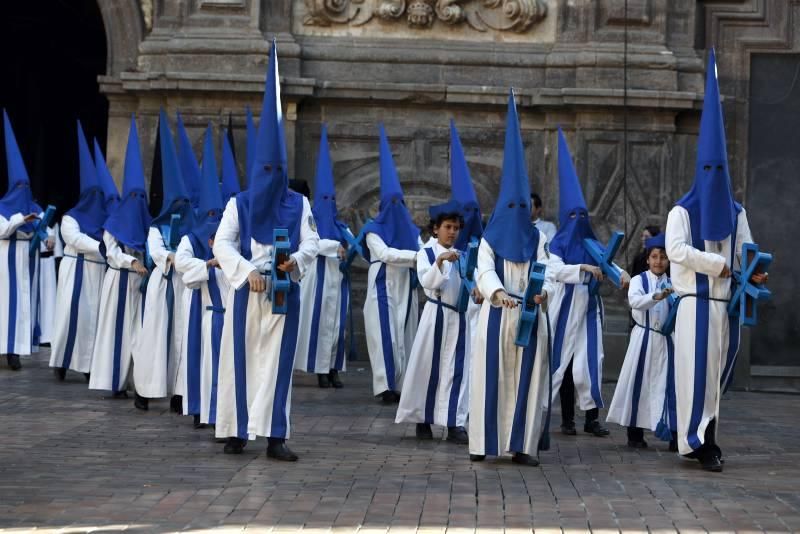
(604, 256)
(40, 232)
(746, 293)
(281, 284)
(530, 310)
(467, 269)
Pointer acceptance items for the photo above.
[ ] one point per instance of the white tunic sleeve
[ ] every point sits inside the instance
(637, 298)
(114, 255)
(9, 226)
(680, 249)
(73, 237)
(329, 248)
(194, 271)
(543, 257)
(392, 256)
(226, 248)
(308, 248)
(430, 277)
(563, 273)
(743, 236)
(486, 278)
(158, 251)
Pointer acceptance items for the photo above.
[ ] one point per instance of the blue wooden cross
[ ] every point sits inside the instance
(530, 309)
(40, 231)
(281, 283)
(604, 256)
(467, 267)
(669, 324)
(747, 294)
(354, 247)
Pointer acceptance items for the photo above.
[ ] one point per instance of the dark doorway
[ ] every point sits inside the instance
(773, 191)
(51, 52)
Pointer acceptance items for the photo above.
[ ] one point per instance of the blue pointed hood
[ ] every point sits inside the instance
(252, 135)
(18, 197)
(710, 202)
(573, 215)
(463, 192)
(230, 174)
(510, 231)
(110, 191)
(325, 212)
(393, 223)
(209, 212)
(130, 221)
(190, 169)
(175, 199)
(90, 211)
(271, 204)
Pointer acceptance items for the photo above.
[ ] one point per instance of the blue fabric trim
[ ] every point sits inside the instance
(520, 420)
(592, 349)
(194, 344)
(561, 327)
(217, 323)
(386, 332)
(12, 294)
(240, 299)
(74, 310)
(280, 419)
(119, 329)
(458, 370)
(433, 381)
(637, 382)
(313, 336)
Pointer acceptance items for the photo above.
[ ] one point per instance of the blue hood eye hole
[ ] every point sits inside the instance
(268, 168)
(719, 167)
(511, 204)
(706, 168)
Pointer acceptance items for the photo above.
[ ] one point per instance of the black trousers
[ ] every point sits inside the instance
(567, 394)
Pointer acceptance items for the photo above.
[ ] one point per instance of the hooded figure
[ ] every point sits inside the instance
(157, 355)
(120, 314)
(190, 169)
(82, 270)
(230, 175)
(390, 307)
(258, 344)
(325, 291)
(509, 385)
(575, 314)
(203, 304)
(19, 281)
(110, 191)
(705, 233)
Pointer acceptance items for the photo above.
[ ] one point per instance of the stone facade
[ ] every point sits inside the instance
(414, 64)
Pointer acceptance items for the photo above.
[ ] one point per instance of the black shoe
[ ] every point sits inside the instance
(142, 403)
(176, 404)
(120, 394)
(277, 450)
(458, 435)
(595, 428)
(477, 457)
(60, 373)
(323, 381)
(387, 397)
(87, 376)
(712, 463)
(234, 446)
(13, 362)
(424, 431)
(197, 424)
(395, 397)
(673, 445)
(637, 444)
(568, 428)
(333, 376)
(524, 459)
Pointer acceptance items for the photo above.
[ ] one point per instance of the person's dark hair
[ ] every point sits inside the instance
(653, 230)
(442, 217)
(537, 200)
(431, 224)
(300, 186)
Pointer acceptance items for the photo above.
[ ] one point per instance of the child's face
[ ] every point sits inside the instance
(657, 261)
(447, 232)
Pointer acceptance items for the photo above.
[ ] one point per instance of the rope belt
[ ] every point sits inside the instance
(85, 259)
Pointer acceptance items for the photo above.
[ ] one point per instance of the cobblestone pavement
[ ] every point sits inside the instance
(73, 460)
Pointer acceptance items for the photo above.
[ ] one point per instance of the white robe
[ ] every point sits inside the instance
(577, 321)
(323, 313)
(391, 310)
(436, 383)
(202, 337)
(258, 347)
(119, 318)
(47, 293)
(156, 356)
(509, 385)
(78, 299)
(705, 344)
(640, 396)
(18, 288)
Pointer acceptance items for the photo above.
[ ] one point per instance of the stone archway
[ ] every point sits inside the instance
(125, 28)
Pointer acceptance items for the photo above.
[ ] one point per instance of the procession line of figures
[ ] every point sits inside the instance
(224, 293)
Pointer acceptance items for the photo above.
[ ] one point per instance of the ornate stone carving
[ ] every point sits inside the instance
(482, 15)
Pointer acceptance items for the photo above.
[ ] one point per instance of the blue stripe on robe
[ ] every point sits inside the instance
(72, 328)
(672, 404)
(194, 343)
(344, 302)
(386, 331)
(433, 381)
(217, 323)
(35, 305)
(280, 423)
(637, 382)
(517, 441)
(119, 329)
(458, 370)
(700, 362)
(592, 355)
(12, 293)
(240, 299)
(313, 336)
(561, 326)
(170, 315)
(491, 400)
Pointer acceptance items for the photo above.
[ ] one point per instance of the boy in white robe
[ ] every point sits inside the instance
(260, 332)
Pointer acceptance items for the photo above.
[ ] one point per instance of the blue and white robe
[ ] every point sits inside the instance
(19, 288)
(119, 318)
(47, 291)
(641, 393)
(509, 385)
(156, 356)
(324, 299)
(577, 321)
(258, 347)
(78, 299)
(204, 310)
(437, 378)
(706, 339)
(391, 310)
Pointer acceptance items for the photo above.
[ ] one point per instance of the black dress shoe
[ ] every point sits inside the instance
(673, 445)
(477, 457)
(568, 428)
(333, 376)
(395, 397)
(176, 404)
(524, 459)
(277, 450)
(323, 381)
(234, 446)
(60, 373)
(120, 394)
(87, 376)
(13, 362)
(458, 435)
(712, 463)
(197, 424)
(424, 431)
(596, 428)
(387, 397)
(142, 403)
(635, 444)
